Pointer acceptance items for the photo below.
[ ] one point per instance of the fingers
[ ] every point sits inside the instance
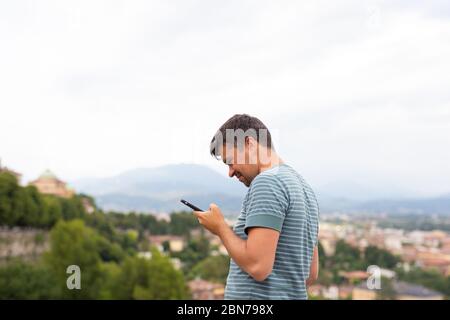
(197, 213)
(213, 206)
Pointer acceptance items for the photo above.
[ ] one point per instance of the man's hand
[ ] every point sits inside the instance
(314, 268)
(212, 219)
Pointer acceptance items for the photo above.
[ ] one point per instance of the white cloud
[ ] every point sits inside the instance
(91, 88)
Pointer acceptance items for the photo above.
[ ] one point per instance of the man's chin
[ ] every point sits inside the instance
(244, 181)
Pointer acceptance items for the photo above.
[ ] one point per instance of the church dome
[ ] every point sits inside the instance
(48, 175)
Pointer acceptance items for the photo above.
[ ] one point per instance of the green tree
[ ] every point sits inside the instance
(72, 243)
(347, 257)
(213, 268)
(129, 241)
(103, 223)
(149, 279)
(380, 257)
(111, 272)
(195, 251)
(165, 282)
(32, 206)
(182, 223)
(149, 223)
(166, 246)
(73, 208)
(9, 190)
(19, 280)
(25, 206)
(110, 251)
(52, 211)
(322, 256)
(432, 279)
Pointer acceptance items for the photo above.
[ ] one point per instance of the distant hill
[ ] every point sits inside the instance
(439, 205)
(159, 189)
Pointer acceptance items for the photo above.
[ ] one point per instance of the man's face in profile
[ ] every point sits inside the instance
(239, 164)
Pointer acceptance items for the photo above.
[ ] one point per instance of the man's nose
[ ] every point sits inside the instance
(231, 172)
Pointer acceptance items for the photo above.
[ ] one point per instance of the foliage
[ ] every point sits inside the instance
(25, 206)
(431, 279)
(195, 251)
(20, 280)
(213, 268)
(148, 279)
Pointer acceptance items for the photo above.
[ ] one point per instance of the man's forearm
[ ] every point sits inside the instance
(237, 249)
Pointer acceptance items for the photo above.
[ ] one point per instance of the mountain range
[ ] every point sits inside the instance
(160, 189)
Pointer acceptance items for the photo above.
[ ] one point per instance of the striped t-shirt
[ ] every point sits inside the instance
(278, 198)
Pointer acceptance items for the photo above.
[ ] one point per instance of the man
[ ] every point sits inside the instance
(273, 246)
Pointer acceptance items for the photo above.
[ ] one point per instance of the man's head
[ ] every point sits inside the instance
(243, 143)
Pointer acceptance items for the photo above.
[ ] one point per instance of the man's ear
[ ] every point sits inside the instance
(250, 141)
(251, 150)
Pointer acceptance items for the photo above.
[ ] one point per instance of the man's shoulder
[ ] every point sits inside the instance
(266, 179)
(276, 174)
(280, 176)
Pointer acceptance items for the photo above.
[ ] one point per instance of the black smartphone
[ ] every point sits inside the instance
(190, 205)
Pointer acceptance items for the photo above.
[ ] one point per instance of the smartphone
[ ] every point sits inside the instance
(190, 205)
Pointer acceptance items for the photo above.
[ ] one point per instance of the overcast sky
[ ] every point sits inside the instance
(354, 91)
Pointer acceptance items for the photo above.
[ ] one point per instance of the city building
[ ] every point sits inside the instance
(147, 255)
(48, 183)
(206, 290)
(403, 291)
(361, 292)
(407, 291)
(176, 243)
(345, 292)
(353, 277)
(88, 205)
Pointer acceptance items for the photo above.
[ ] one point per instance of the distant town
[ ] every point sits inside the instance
(411, 252)
(427, 250)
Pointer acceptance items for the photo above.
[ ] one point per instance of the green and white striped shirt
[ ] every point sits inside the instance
(280, 199)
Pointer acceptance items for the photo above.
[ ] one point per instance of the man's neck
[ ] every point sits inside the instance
(272, 161)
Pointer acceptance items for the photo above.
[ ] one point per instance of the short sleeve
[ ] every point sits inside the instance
(267, 203)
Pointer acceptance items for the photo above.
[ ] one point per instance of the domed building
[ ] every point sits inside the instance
(48, 183)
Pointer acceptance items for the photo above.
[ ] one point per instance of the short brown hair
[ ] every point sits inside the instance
(242, 122)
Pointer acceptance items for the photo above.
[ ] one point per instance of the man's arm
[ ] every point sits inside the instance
(256, 255)
(314, 269)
